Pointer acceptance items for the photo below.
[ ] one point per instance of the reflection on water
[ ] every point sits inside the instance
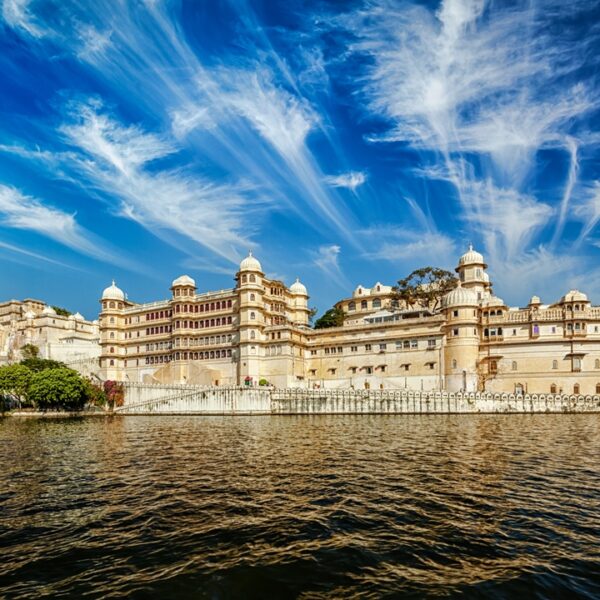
(279, 507)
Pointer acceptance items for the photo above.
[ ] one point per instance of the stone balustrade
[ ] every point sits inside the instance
(189, 399)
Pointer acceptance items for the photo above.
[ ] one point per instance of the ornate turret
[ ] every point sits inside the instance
(471, 272)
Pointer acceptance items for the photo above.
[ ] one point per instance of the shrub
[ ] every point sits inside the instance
(115, 394)
(15, 379)
(263, 382)
(58, 388)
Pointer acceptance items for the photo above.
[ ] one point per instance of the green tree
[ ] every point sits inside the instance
(58, 388)
(63, 312)
(334, 317)
(424, 287)
(41, 364)
(30, 351)
(15, 380)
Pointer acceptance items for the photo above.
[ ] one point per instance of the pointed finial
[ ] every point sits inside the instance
(470, 247)
(297, 279)
(249, 252)
(113, 283)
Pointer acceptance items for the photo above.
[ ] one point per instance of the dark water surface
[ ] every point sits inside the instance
(312, 507)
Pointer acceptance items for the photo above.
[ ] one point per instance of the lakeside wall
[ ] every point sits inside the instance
(187, 399)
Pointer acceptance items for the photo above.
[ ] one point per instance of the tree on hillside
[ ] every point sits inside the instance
(30, 351)
(63, 312)
(58, 388)
(424, 287)
(334, 317)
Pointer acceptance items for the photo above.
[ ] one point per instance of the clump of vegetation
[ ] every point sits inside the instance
(114, 393)
(424, 288)
(263, 382)
(29, 351)
(47, 385)
(63, 312)
(334, 317)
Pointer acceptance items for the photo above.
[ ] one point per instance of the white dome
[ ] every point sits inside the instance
(78, 317)
(535, 300)
(250, 264)
(48, 310)
(460, 296)
(574, 296)
(113, 293)
(184, 280)
(493, 301)
(30, 315)
(471, 257)
(298, 288)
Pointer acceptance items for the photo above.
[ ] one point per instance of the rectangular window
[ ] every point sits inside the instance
(367, 347)
(414, 344)
(353, 348)
(382, 346)
(431, 343)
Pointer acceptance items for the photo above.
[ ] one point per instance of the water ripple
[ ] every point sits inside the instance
(310, 507)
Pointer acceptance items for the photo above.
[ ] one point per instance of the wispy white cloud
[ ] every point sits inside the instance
(351, 180)
(407, 247)
(16, 13)
(35, 255)
(117, 159)
(327, 259)
(478, 89)
(19, 211)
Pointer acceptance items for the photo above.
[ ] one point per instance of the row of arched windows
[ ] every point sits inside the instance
(364, 304)
(576, 389)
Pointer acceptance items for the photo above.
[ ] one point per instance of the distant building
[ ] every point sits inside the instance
(65, 338)
(259, 329)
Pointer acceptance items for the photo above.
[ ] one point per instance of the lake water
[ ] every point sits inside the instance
(497, 506)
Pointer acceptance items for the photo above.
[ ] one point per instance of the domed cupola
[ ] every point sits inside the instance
(471, 257)
(492, 302)
(184, 281)
(298, 289)
(460, 296)
(113, 293)
(250, 264)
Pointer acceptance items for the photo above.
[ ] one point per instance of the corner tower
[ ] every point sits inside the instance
(251, 318)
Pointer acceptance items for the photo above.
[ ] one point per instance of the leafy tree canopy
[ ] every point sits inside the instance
(63, 312)
(15, 379)
(30, 351)
(40, 364)
(58, 388)
(425, 287)
(334, 317)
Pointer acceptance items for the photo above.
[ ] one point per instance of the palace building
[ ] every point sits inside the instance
(65, 338)
(258, 331)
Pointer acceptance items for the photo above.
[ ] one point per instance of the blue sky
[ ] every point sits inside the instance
(343, 142)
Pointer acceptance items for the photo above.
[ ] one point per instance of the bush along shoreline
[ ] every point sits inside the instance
(49, 386)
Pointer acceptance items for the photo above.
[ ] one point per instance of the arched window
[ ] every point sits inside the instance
(499, 330)
(112, 362)
(252, 278)
(112, 304)
(112, 349)
(486, 332)
(364, 304)
(352, 305)
(253, 315)
(112, 319)
(377, 303)
(112, 335)
(514, 365)
(454, 363)
(252, 335)
(597, 363)
(252, 297)
(577, 307)
(576, 389)
(244, 278)
(555, 364)
(598, 388)
(553, 388)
